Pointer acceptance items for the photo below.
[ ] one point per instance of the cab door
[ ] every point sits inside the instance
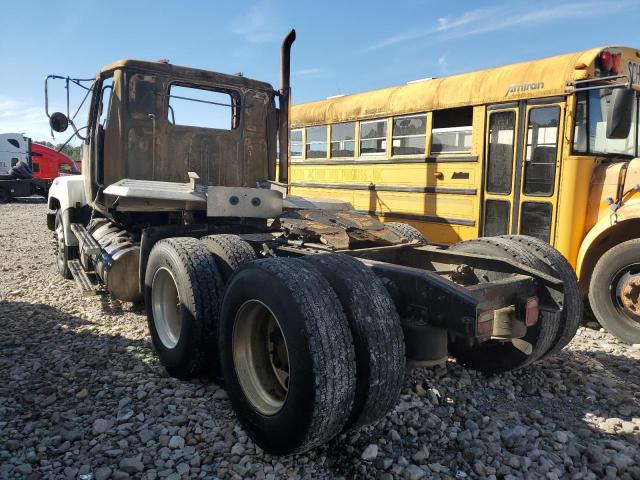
(521, 169)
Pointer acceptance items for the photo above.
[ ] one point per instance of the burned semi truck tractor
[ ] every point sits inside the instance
(308, 310)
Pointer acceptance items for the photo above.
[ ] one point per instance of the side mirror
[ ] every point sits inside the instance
(58, 122)
(620, 113)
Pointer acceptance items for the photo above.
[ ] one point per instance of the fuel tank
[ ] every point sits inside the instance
(117, 263)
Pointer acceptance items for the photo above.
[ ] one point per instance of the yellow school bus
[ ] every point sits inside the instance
(546, 148)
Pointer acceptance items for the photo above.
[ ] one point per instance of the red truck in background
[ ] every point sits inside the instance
(48, 163)
(28, 168)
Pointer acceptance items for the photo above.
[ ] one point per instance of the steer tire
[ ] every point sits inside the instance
(604, 292)
(377, 335)
(230, 252)
(573, 306)
(494, 356)
(182, 297)
(405, 230)
(64, 252)
(312, 403)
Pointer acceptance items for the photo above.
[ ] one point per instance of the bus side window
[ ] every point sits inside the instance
(452, 129)
(316, 142)
(373, 137)
(540, 157)
(295, 143)
(409, 135)
(343, 139)
(580, 132)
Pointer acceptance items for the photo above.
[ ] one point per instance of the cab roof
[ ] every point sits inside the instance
(185, 73)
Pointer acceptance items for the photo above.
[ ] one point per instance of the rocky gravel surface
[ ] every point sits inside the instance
(82, 396)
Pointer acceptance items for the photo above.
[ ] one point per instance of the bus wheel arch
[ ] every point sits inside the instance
(602, 237)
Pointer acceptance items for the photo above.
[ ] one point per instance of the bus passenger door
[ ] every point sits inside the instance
(500, 150)
(521, 169)
(539, 171)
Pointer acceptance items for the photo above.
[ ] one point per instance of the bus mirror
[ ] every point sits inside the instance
(58, 122)
(620, 113)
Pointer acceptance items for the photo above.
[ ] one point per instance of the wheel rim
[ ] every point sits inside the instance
(625, 292)
(165, 303)
(60, 246)
(261, 357)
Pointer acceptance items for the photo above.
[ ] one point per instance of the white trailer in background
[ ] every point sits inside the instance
(16, 174)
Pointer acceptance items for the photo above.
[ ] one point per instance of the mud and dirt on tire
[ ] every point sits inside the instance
(377, 335)
(493, 356)
(407, 231)
(230, 252)
(573, 306)
(320, 355)
(198, 287)
(614, 291)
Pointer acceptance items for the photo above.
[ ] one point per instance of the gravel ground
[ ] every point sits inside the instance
(82, 396)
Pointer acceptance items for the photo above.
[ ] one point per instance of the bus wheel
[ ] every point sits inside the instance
(286, 355)
(377, 335)
(182, 299)
(573, 305)
(4, 196)
(614, 291)
(496, 356)
(406, 231)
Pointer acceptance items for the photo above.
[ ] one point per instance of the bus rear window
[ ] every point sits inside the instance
(452, 129)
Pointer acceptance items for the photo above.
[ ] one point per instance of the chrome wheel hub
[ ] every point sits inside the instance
(165, 304)
(260, 357)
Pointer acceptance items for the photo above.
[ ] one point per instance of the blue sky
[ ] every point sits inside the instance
(343, 47)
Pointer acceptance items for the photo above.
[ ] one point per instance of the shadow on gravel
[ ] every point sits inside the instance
(73, 399)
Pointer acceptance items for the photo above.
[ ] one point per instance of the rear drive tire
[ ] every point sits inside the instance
(494, 356)
(405, 230)
(230, 252)
(182, 298)
(573, 306)
(377, 335)
(614, 291)
(287, 355)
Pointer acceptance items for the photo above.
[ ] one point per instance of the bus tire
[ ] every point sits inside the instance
(377, 335)
(182, 299)
(287, 355)
(614, 291)
(5, 196)
(230, 252)
(64, 252)
(494, 356)
(573, 305)
(405, 230)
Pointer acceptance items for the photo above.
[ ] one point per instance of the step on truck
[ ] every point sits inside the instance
(309, 312)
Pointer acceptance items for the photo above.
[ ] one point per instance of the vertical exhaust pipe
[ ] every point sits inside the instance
(285, 96)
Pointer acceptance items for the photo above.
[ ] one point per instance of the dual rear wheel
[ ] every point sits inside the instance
(307, 347)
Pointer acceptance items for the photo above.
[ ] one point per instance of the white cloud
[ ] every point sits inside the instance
(306, 72)
(442, 62)
(500, 17)
(24, 116)
(258, 25)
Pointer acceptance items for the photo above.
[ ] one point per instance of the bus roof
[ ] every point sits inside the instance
(546, 77)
